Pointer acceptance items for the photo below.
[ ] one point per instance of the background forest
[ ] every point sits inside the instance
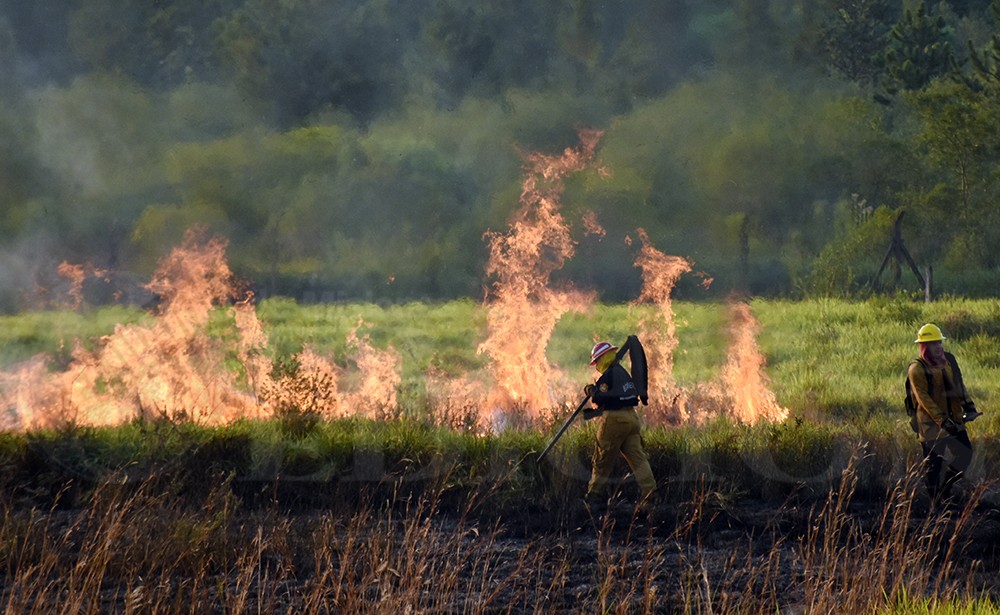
(360, 149)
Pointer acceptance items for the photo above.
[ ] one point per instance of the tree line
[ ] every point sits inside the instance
(361, 148)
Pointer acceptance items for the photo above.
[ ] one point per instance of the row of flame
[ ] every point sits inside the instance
(173, 369)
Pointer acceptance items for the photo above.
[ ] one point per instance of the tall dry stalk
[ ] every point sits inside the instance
(142, 548)
(859, 567)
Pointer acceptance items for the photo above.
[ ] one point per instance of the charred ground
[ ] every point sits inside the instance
(199, 524)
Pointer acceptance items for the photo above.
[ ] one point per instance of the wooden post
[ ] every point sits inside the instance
(745, 254)
(928, 285)
(898, 254)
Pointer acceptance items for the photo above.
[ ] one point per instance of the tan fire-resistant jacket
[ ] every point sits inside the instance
(933, 409)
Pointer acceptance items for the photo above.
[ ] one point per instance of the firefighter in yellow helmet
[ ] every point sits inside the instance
(616, 395)
(942, 408)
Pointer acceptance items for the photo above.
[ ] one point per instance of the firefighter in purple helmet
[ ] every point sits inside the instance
(616, 395)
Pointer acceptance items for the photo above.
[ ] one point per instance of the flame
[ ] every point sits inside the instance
(171, 368)
(660, 273)
(310, 389)
(65, 292)
(592, 226)
(456, 400)
(744, 390)
(75, 274)
(746, 384)
(522, 308)
(378, 378)
(174, 368)
(167, 369)
(315, 384)
(250, 350)
(29, 386)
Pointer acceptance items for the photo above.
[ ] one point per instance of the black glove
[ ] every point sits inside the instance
(970, 412)
(589, 390)
(644, 399)
(951, 427)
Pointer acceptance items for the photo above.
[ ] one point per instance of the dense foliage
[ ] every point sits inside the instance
(772, 142)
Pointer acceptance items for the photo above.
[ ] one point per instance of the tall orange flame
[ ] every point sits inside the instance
(746, 384)
(660, 273)
(174, 367)
(743, 391)
(522, 308)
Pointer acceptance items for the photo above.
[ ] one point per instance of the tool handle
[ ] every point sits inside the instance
(563, 429)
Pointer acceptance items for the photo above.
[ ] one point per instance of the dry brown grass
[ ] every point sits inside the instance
(138, 547)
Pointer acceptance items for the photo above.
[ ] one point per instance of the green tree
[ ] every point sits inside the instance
(20, 174)
(960, 133)
(919, 50)
(650, 49)
(101, 141)
(40, 33)
(985, 63)
(158, 44)
(851, 36)
(969, 7)
(487, 49)
(309, 56)
(21, 177)
(255, 189)
(752, 35)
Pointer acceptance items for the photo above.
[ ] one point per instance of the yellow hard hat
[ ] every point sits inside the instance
(929, 333)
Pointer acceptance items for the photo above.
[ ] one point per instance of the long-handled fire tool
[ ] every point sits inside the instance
(562, 430)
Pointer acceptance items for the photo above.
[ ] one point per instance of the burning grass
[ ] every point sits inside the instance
(826, 360)
(523, 308)
(205, 356)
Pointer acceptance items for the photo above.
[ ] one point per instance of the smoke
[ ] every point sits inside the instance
(122, 97)
(27, 278)
(382, 129)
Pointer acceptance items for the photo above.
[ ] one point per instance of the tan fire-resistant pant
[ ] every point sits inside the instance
(619, 434)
